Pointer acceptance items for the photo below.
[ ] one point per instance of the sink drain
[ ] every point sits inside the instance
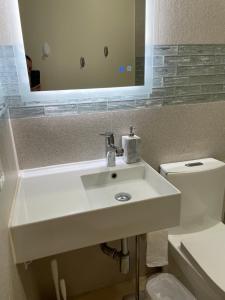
(122, 197)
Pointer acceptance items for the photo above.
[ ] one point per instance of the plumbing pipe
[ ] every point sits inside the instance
(55, 276)
(138, 295)
(63, 289)
(124, 246)
(109, 251)
(137, 269)
(123, 256)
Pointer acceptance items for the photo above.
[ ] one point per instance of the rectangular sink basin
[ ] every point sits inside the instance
(67, 207)
(136, 183)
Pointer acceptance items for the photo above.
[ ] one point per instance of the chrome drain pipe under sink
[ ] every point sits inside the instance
(123, 256)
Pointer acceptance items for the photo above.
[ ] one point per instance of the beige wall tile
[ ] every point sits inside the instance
(168, 134)
(189, 21)
(47, 141)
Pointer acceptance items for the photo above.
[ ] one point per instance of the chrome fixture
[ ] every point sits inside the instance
(139, 294)
(123, 256)
(123, 197)
(111, 151)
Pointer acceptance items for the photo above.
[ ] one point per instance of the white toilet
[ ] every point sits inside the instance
(197, 246)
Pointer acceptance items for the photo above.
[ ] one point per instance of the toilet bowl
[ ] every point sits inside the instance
(197, 246)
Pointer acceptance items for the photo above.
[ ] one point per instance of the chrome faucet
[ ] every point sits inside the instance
(111, 151)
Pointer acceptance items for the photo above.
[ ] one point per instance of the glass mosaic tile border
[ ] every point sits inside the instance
(182, 74)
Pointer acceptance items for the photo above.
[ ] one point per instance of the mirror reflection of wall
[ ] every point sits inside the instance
(79, 44)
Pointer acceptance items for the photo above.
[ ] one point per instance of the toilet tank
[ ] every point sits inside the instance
(202, 184)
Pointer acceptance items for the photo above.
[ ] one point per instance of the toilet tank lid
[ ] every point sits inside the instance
(191, 166)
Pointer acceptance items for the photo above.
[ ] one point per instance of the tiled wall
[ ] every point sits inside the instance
(9, 84)
(189, 73)
(182, 74)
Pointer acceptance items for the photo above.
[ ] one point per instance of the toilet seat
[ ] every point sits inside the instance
(206, 251)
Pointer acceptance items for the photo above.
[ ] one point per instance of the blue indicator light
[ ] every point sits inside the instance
(122, 69)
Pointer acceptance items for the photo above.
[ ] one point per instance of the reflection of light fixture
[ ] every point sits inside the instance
(46, 50)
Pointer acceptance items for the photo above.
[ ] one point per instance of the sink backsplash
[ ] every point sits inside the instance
(170, 133)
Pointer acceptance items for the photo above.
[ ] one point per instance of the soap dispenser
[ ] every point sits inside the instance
(131, 145)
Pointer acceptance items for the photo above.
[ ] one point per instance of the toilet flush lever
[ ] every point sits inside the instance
(194, 164)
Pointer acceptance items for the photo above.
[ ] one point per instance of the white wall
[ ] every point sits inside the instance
(5, 37)
(189, 22)
(80, 28)
(10, 285)
(9, 13)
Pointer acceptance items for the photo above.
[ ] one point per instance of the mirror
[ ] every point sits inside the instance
(84, 44)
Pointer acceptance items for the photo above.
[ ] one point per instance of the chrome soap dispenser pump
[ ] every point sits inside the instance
(131, 130)
(131, 145)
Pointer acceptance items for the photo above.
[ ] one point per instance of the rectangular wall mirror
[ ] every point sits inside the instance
(86, 48)
(81, 44)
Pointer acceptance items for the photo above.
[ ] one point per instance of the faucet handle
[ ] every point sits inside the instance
(107, 134)
(109, 138)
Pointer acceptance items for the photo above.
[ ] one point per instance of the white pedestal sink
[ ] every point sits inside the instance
(66, 207)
